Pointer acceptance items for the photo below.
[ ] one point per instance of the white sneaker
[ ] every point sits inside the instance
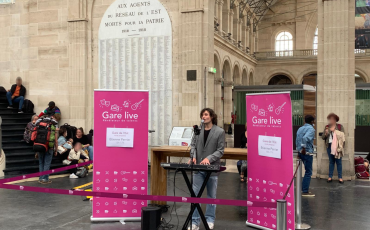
(73, 176)
(193, 227)
(211, 225)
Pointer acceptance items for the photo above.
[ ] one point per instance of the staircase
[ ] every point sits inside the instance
(20, 157)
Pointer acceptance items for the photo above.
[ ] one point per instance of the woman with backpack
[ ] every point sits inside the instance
(45, 145)
(328, 137)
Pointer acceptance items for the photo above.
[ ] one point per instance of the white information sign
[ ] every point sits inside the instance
(181, 136)
(120, 137)
(269, 146)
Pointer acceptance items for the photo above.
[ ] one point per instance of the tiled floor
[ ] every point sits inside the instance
(335, 207)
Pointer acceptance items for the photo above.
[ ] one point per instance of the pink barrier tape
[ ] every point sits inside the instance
(271, 205)
(142, 197)
(7, 180)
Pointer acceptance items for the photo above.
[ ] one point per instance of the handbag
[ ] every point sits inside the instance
(61, 150)
(360, 169)
(66, 162)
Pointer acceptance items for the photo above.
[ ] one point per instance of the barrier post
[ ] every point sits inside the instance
(281, 215)
(298, 209)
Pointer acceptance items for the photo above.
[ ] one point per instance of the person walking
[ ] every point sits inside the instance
(328, 137)
(304, 145)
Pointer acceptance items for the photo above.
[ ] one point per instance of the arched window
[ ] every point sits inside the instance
(316, 39)
(280, 80)
(284, 44)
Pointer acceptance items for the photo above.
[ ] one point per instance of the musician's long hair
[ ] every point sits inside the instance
(212, 114)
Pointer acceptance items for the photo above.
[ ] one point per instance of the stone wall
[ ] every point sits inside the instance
(35, 47)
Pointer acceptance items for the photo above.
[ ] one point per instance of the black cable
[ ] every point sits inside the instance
(174, 183)
(166, 225)
(164, 208)
(187, 192)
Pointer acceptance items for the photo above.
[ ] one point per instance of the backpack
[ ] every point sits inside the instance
(27, 106)
(52, 136)
(41, 136)
(28, 132)
(360, 168)
(230, 130)
(71, 130)
(81, 172)
(2, 90)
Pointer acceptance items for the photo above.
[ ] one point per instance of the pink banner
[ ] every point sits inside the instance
(270, 156)
(120, 152)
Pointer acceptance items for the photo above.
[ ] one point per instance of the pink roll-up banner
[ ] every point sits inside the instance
(270, 156)
(120, 153)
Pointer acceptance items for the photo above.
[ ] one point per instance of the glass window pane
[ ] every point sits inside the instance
(284, 41)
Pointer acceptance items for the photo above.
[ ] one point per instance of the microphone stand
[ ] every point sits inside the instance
(194, 141)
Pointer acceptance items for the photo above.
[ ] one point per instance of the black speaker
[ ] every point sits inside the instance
(150, 218)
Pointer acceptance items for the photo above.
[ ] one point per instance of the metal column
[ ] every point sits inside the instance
(281, 215)
(298, 208)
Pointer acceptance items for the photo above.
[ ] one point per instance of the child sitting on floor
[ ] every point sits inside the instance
(77, 155)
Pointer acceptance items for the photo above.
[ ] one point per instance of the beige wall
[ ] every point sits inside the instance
(34, 46)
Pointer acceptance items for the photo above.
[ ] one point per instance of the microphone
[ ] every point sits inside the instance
(201, 124)
(197, 128)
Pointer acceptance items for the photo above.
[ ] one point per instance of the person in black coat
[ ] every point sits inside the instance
(241, 165)
(16, 94)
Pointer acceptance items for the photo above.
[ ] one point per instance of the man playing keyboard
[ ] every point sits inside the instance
(209, 149)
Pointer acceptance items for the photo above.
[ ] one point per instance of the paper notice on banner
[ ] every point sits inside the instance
(120, 137)
(269, 146)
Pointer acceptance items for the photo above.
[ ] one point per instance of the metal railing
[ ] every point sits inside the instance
(287, 54)
(305, 53)
(298, 207)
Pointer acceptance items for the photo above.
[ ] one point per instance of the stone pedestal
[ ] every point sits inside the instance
(335, 80)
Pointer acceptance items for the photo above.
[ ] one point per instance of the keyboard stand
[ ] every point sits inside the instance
(193, 205)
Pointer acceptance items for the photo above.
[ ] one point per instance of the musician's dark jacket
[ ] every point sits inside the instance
(214, 147)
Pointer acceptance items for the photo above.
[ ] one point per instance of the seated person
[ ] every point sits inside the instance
(29, 129)
(64, 146)
(52, 110)
(74, 157)
(16, 94)
(82, 138)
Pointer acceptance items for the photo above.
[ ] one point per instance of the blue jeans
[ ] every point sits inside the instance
(15, 100)
(307, 161)
(44, 163)
(332, 161)
(198, 179)
(90, 149)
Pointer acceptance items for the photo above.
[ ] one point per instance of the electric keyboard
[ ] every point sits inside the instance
(209, 168)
